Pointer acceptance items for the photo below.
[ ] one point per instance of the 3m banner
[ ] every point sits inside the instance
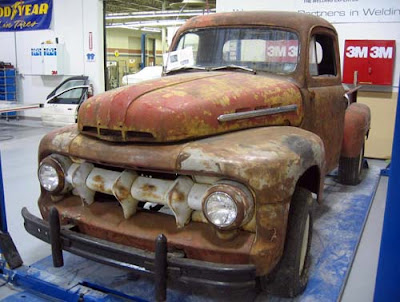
(25, 15)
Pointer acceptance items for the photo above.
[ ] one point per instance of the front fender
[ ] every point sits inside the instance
(270, 161)
(357, 122)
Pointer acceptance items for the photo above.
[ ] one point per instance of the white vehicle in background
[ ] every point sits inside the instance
(62, 104)
(147, 73)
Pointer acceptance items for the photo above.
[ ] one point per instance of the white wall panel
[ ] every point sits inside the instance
(71, 23)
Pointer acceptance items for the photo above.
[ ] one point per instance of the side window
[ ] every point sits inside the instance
(322, 56)
(71, 96)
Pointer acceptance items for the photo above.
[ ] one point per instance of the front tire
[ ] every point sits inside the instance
(290, 276)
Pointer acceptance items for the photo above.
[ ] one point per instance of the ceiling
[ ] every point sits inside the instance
(129, 6)
(152, 15)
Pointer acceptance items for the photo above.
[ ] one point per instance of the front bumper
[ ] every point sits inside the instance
(184, 271)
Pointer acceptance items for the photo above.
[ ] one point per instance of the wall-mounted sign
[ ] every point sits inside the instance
(25, 15)
(90, 57)
(371, 60)
(336, 11)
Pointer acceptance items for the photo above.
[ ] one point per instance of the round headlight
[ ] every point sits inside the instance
(220, 209)
(228, 205)
(48, 177)
(51, 173)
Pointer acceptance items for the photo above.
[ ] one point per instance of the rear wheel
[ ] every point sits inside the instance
(350, 169)
(290, 276)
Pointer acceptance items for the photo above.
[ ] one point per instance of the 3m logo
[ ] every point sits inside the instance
(276, 51)
(374, 52)
(357, 52)
(282, 51)
(381, 52)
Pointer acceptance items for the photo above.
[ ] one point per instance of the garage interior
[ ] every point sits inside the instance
(136, 34)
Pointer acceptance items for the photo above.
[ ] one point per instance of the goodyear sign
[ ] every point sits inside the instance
(25, 15)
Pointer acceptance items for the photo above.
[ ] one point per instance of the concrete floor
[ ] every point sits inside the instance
(19, 141)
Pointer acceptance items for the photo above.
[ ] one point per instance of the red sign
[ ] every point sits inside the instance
(373, 60)
(282, 51)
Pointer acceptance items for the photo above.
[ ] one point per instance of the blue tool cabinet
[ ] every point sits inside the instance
(8, 88)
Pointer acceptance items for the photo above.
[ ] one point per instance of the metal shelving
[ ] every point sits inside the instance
(8, 88)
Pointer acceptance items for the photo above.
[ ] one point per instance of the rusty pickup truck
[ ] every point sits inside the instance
(224, 155)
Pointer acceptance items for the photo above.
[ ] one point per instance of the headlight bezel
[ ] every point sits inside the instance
(242, 198)
(58, 164)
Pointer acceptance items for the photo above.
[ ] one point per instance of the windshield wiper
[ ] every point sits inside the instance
(185, 68)
(233, 66)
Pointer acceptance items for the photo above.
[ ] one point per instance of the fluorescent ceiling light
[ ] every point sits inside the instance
(123, 26)
(151, 29)
(155, 14)
(155, 23)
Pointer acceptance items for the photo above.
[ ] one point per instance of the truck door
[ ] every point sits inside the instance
(64, 101)
(326, 92)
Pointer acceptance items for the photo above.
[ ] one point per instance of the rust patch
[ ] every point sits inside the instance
(98, 178)
(148, 188)
(99, 183)
(178, 196)
(122, 192)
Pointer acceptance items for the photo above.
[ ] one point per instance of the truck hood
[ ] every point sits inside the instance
(189, 106)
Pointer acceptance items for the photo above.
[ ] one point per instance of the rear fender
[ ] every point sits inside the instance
(357, 122)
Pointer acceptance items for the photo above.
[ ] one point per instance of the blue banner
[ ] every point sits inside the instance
(25, 15)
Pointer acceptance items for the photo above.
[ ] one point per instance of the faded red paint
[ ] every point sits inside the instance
(356, 125)
(181, 107)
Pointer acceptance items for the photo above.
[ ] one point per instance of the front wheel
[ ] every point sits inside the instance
(290, 276)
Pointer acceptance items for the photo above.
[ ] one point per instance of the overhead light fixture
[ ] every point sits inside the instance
(152, 15)
(189, 3)
(148, 29)
(122, 26)
(151, 29)
(155, 23)
(147, 24)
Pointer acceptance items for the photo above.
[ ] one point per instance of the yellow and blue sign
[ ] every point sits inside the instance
(25, 15)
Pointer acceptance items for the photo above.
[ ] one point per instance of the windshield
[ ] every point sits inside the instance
(259, 49)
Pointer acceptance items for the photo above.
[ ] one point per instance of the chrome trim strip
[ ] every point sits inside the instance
(255, 113)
